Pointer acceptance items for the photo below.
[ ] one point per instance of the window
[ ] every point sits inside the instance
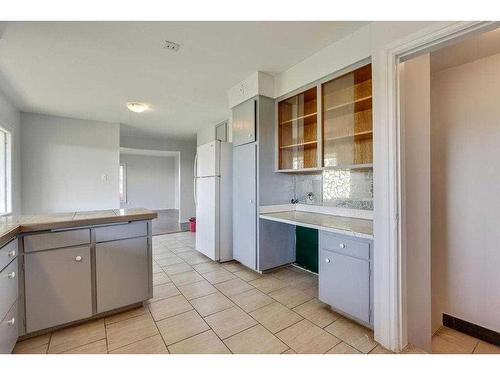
(5, 172)
(123, 183)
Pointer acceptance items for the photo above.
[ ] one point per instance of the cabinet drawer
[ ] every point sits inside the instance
(54, 240)
(7, 253)
(121, 231)
(9, 328)
(122, 273)
(58, 287)
(9, 281)
(344, 245)
(344, 284)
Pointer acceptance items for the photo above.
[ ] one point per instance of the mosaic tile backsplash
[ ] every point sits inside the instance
(346, 188)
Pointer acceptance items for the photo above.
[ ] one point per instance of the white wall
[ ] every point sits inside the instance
(68, 164)
(187, 150)
(416, 190)
(465, 192)
(347, 51)
(150, 181)
(10, 119)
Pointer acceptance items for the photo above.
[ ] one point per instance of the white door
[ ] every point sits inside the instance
(244, 205)
(207, 160)
(207, 216)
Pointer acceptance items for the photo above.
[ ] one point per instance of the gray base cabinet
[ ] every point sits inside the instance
(58, 287)
(122, 271)
(345, 278)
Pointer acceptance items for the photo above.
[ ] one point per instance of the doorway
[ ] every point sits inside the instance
(449, 141)
(150, 179)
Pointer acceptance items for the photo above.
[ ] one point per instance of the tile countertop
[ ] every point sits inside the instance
(361, 228)
(13, 225)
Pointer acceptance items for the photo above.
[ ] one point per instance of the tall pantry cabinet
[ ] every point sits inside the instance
(259, 245)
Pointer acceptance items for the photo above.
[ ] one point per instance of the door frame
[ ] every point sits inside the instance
(390, 311)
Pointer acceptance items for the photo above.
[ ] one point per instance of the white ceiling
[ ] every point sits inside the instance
(90, 70)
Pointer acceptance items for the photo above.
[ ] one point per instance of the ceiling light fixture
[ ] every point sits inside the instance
(137, 107)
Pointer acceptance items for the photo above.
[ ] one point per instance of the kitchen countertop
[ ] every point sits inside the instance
(10, 226)
(361, 228)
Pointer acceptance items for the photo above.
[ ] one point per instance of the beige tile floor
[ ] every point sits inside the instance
(200, 306)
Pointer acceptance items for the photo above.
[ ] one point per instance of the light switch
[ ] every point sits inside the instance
(104, 177)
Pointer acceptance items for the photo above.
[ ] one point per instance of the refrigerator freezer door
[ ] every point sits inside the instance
(207, 160)
(207, 216)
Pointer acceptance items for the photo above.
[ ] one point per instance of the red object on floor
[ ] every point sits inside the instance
(192, 224)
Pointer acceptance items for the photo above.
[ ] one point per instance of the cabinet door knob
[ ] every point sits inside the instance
(12, 253)
(11, 322)
(78, 258)
(249, 135)
(251, 201)
(342, 245)
(327, 260)
(11, 275)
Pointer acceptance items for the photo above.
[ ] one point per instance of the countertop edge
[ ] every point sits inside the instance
(319, 227)
(9, 234)
(20, 228)
(73, 223)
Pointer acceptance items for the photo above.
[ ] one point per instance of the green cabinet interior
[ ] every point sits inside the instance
(306, 245)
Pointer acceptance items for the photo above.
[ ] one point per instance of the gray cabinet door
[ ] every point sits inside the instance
(244, 122)
(58, 287)
(245, 205)
(344, 284)
(122, 273)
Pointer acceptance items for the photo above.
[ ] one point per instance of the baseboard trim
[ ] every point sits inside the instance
(472, 329)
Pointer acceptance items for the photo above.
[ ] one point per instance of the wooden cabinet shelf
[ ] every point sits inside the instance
(351, 103)
(301, 144)
(366, 134)
(304, 117)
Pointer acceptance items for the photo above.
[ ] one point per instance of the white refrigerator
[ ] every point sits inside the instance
(213, 199)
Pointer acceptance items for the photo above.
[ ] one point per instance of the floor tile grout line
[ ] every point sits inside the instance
(210, 327)
(260, 324)
(80, 346)
(133, 342)
(159, 331)
(48, 344)
(106, 336)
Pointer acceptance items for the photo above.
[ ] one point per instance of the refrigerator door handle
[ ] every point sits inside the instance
(195, 165)
(195, 193)
(194, 179)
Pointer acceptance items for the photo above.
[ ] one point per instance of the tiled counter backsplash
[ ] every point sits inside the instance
(346, 188)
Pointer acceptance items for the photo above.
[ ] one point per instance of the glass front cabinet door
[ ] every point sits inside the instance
(347, 119)
(298, 131)
(328, 125)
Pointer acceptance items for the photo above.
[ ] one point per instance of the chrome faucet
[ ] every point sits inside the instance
(309, 196)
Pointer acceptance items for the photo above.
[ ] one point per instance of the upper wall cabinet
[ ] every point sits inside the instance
(244, 122)
(347, 119)
(298, 131)
(328, 125)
